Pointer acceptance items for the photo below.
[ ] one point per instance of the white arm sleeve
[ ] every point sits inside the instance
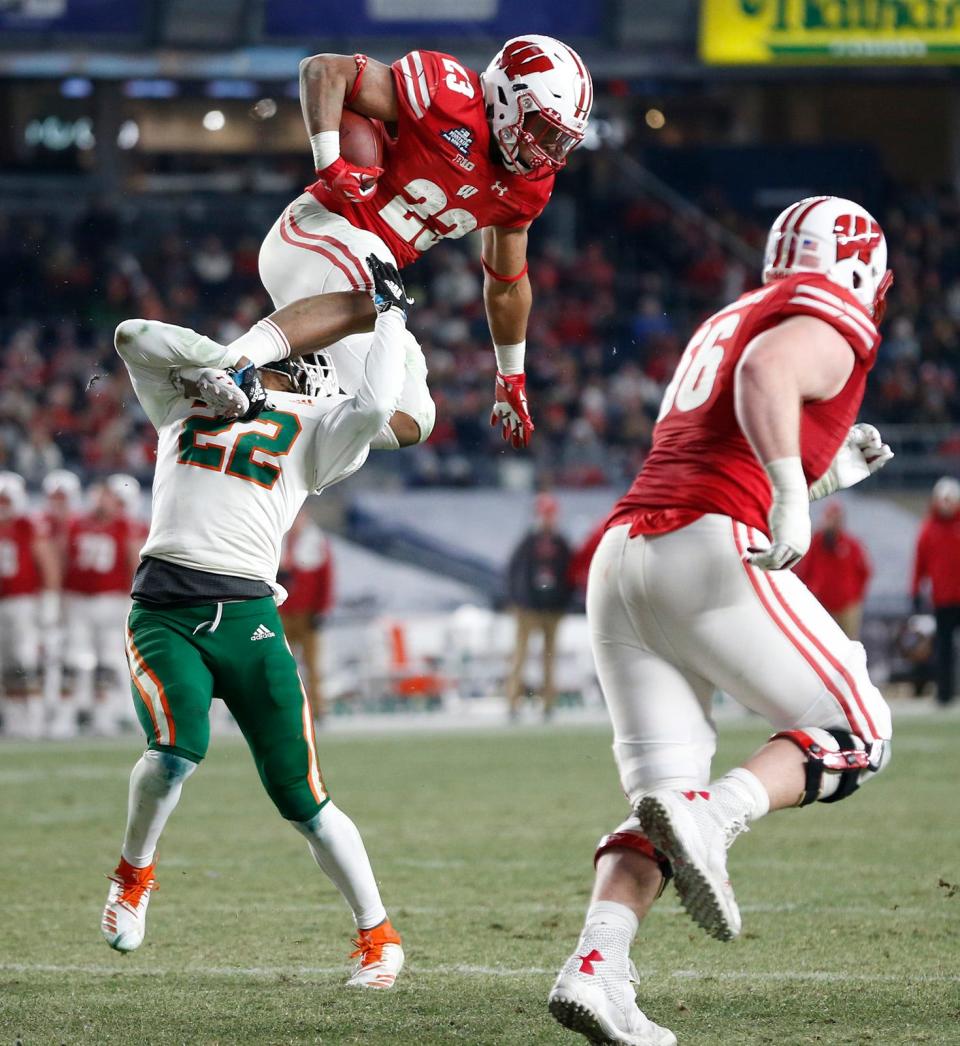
(344, 435)
(153, 351)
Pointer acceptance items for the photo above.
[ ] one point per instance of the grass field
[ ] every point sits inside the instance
(483, 845)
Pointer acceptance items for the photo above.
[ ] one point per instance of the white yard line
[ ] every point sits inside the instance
(126, 966)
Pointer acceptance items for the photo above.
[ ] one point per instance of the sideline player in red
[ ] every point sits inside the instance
(306, 572)
(462, 151)
(29, 584)
(103, 548)
(690, 591)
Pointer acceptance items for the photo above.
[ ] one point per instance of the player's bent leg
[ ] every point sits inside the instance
(155, 786)
(593, 993)
(338, 849)
(266, 696)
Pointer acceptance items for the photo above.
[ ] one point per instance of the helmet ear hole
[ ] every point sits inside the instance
(857, 280)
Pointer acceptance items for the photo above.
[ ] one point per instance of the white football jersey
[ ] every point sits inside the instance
(225, 493)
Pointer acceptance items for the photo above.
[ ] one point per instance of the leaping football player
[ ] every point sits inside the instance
(205, 620)
(461, 152)
(690, 590)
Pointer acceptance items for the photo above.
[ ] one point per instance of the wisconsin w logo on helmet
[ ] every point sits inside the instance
(520, 57)
(856, 236)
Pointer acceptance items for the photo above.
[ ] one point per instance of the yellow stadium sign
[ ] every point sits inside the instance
(843, 32)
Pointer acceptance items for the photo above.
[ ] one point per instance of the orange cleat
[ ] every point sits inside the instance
(381, 957)
(124, 920)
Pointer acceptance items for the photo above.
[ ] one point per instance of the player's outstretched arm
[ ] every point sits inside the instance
(801, 359)
(348, 429)
(508, 297)
(328, 84)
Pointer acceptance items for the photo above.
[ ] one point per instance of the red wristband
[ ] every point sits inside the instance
(503, 279)
(361, 62)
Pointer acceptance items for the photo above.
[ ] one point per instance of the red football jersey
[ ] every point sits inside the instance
(97, 559)
(442, 174)
(19, 573)
(701, 461)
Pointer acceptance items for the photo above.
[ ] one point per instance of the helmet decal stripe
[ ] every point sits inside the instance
(791, 256)
(782, 244)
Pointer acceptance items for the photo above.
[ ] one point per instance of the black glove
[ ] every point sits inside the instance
(249, 383)
(388, 290)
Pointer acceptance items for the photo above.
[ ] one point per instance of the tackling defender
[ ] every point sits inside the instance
(205, 620)
(689, 590)
(464, 152)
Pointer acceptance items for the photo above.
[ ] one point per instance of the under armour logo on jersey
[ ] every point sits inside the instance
(587, 961)
(693, 795)
(262, 632)
(466, 191)
(499, 188)
(522, 56)
(856, 236)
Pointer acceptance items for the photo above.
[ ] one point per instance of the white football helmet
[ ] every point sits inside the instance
(836, 237)
(14, 490)
(126, 489)
(537, 74)
(312, 374)
(62, 481)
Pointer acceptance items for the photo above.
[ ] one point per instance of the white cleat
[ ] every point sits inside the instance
(379, 955)
(594, 995)
(693, 833)
(124, 920)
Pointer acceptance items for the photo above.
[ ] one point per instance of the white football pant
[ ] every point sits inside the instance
(311, 250)
(676, 616)
(19, 638)
(94, 628)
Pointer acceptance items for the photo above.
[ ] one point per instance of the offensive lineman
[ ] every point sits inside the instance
(205, 622)
(463, 152)
(690, 590)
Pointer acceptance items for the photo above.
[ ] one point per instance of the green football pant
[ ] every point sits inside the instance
(180, 659)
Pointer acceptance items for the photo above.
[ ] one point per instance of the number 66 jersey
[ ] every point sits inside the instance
(701, 462)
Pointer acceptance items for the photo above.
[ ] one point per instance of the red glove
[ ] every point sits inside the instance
(510, 409)
(349, 182)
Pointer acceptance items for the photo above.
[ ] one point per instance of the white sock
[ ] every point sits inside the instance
(155, 785)
(611, 913)
(740, 792)
(337, 847)
(264, 343)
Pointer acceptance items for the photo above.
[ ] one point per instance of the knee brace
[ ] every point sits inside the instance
(629, 836)
(838, 762)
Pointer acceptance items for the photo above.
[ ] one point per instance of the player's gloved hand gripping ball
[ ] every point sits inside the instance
(388, 289)
(510, 409)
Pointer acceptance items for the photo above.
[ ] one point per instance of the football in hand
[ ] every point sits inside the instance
(361, 140)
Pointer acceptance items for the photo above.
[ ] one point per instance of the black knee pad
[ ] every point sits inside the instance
(838, 762)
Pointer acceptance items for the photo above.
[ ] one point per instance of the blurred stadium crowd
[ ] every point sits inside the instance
(618, 289)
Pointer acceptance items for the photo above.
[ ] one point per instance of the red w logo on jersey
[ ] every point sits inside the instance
(522, 57)
(855, 236)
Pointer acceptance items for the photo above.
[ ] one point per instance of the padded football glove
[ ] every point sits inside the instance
(248, 381)
(348, 182)
(510, 410)
(216, 388)
(388, 289)
(862, 453)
